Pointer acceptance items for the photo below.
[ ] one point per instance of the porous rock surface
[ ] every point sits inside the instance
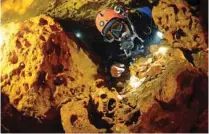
(181, 27)
(169, 98)
(200, 60)
(79, 10)
(94, 114)
(44, 73)
(41, 68)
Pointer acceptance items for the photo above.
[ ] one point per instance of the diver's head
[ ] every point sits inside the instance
(112, 25)
(117, 30)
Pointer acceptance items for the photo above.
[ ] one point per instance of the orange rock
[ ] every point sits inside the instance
(75, 118)
(180, 27)
(40, 64)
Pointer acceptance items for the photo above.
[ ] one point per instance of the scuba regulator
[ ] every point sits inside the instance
(127, 42)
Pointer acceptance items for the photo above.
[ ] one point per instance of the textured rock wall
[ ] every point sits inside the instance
(169, 86)
(181, 26)
(79, 10)
(169, 96)
(94, 114)
(20, 10)
(15, 6)
(41, 68)
(44, 75)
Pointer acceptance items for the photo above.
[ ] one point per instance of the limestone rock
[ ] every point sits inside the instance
(186, 112)
(181, 27)
(79, 10)
(94, 114)
(21, 10)
(200, 60)
(75, 118)
(45, 75)
(15, 6)
(159, 76)
(167, 92)
(41, 68)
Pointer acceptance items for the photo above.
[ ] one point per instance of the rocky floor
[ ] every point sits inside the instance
(50, 84)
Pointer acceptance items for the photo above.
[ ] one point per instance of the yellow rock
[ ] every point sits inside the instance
(75, 118)
(80, 10)
(41, 68)
(180, 27)
(19, 6)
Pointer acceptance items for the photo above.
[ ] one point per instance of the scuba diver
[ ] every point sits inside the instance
(127, 36)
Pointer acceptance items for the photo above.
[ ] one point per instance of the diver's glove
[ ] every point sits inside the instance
(116, 70)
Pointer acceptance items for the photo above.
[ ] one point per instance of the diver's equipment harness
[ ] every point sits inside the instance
(127, 44)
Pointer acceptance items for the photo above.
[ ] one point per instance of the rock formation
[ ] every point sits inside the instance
(169, 94)
(79, 10)
(49, 81)
(41, 68)
(181, 26)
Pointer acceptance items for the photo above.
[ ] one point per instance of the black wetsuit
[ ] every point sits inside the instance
(112, 52)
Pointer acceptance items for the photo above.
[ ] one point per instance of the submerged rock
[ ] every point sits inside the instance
(181, 27)
(41, 68)
(201, 60)
(48, 78)
(79, 10)
(94, 113)
(75, 118)
(170, 95)
(44, 71)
